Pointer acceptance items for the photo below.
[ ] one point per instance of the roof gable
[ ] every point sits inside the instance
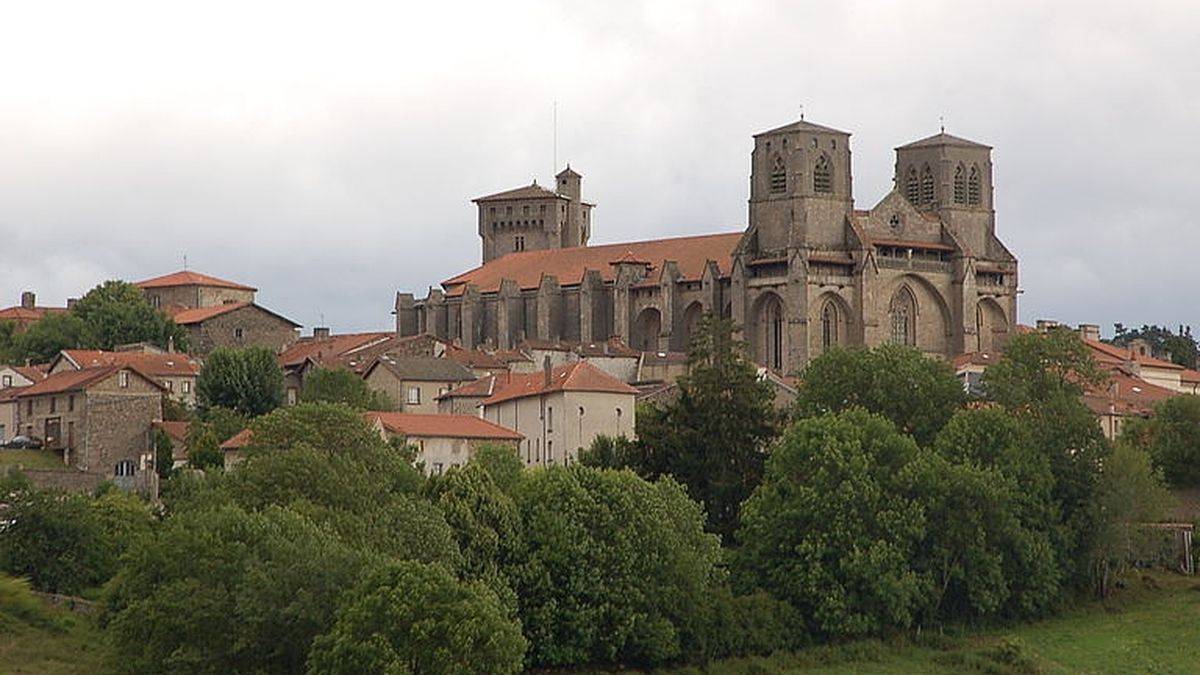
(200, 314)
(944, 139)
(81, 380)
(579, 376)
(190, 278)
(801, 126)
(422, 369)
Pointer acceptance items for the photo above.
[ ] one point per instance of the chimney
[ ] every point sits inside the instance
(171, 344)
(546, 370)
(1044, 325)
(321, 333)
(71, 302)
(1089, 331)
(28, 300)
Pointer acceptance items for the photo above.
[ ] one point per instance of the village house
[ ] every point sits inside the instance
(8, 413)
(28, 312)
(100, 419)
(234, 449)
(443, 441)
(176, 372)
(218, 313)
(325, 350)
(559, 411)
(21, 376)
(414, 383)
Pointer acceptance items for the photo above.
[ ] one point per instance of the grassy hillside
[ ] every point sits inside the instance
(37, 638)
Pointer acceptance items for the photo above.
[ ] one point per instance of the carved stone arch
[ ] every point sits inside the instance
(930, 328)
(647, 328)
(831, 319)
(768, 330)
(689, 323)
(991, 325)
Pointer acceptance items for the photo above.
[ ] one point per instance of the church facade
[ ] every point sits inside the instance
(922, 267)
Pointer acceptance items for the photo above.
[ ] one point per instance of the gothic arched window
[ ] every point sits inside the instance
(902, 311)
(823, 175)
(829, 326)
(926, 185)
(960, 185)
(778, 176)
(979, 327)
(912, 187)
(973, 186)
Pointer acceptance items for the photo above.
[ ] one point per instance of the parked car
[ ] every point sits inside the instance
(24, 443)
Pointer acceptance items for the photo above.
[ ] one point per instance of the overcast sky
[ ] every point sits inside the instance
(327, 152)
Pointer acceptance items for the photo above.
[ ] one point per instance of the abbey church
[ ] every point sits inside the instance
(922, 267)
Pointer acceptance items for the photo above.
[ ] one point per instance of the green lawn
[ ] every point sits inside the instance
(1151, 627)
(31, 459)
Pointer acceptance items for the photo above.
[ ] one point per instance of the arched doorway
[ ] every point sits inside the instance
(689, 325)
(646, 329)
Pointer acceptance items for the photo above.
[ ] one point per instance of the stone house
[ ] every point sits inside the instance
(21, 376)
(193, 290)
(325, 350)
(558, 411)
(414, 383)
(176, 372)
(9, 422)
(443, 441)
(236, 325)
(922, 267)
(100, 419)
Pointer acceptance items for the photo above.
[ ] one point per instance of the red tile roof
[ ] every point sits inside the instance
(1107, 353)
(1189, 375)
(474, 358)
(691, 254)
(33, 372)
(158, 365)
(333, 347)
(1125, 394)
(78, 380)
(177, 431)
(442, 426)
(186, 317)
(579, 376)
(189, 278)
(9, 393)
(481, 388)
(239, 440)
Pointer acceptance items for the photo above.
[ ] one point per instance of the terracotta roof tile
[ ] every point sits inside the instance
(239, 440)
(189, 278)
(177, 431)
(579, 376)
(26, 314)
(158, 365)
(77, 380)
(533, 191)
(442, 426)
(33, 372)
(335, 346)
(526, 268)
(190, 316)
(481, 388)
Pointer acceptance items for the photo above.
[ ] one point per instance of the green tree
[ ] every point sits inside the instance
(116, 312)
(246, 380)
(1177, 346)
(164, 454)
(212, 427)
(414, 618)
(1130, 495)
(1172, 437)
(223, 590)
(713, 437)
(502, 464)
(338, 385)
(916, 392)
(617, 569)
(832, 532)
(613, 452)
(59, 542)
(45, 339)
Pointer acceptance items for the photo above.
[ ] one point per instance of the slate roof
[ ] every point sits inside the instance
(442, 426)
(533, 191)
(189, 278)
(944, 138)
(526, 268)
(423, 368)
(801, 125)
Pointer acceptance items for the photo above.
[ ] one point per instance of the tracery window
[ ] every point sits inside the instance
(903, 314)
(973, 187)
(778, 176)
(960, 186)
(829, 326)
(823, 175)
(912, 187)
(926, 186)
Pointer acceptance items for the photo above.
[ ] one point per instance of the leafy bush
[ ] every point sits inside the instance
(246, 380)
(59, 542)
(411, 617)
(338, 385)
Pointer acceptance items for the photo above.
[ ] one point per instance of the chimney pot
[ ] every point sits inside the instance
(321, 332)
(1089, 331)
(28, 300)
(71, 302)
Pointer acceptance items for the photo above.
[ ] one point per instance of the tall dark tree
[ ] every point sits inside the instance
(713, 437)
(1179, 346)
(917, 393)
(246, 380)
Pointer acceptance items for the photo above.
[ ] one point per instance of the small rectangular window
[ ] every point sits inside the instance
(291, 396)
(6, 382)
(187, 387)
(29, 407)
(414, 396)
(438, 468)
(53, 404)
(549, 420)
(237, 333)
(71, 403)
(2, 436)
(169, 385)
(123, 379)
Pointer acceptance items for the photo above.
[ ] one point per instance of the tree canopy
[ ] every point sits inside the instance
(1172, 439)
(338, 385)
(1177, 346)
(246, 380)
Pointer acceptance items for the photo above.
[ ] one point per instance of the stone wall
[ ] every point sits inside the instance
(243, 327)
